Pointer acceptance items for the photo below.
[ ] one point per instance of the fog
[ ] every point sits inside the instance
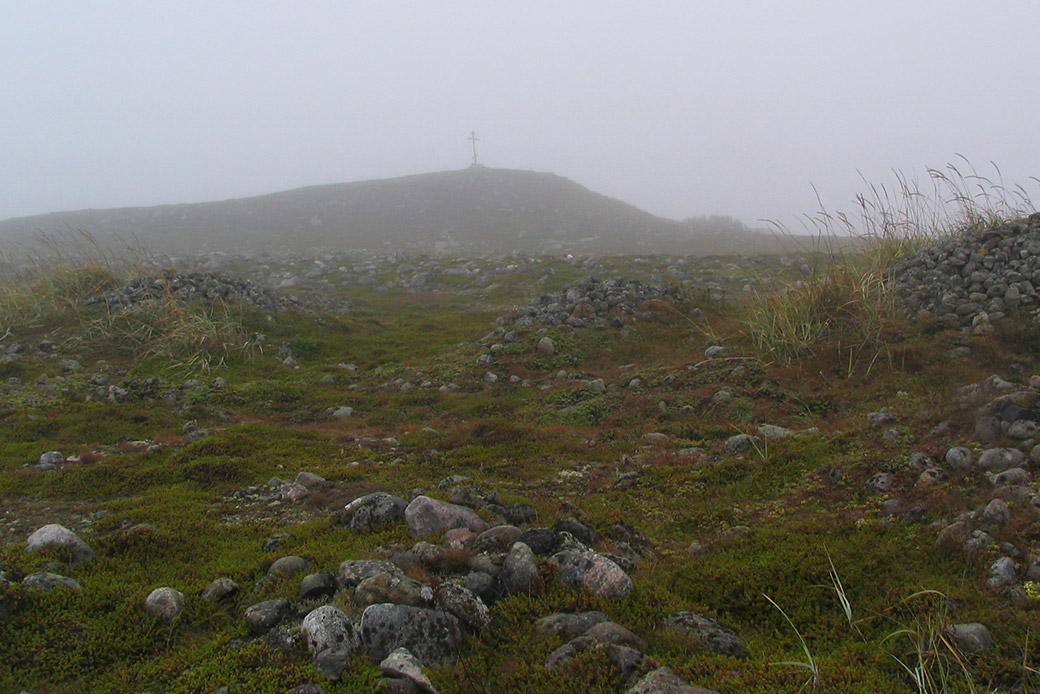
(682, 108)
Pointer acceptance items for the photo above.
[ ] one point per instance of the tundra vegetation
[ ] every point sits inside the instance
(771, 442)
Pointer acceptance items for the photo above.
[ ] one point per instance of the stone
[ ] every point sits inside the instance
(386, 587)
(402, 664)
(542, 541)
(772, 432)
(263, 616)
(354, 571)
(372, 511)
(738, 444)
(664, 681)
(519, 571)
(165, 604)
(569, 624)
(546, 346)
(220, 589)
(51, 460)
(432, 635)
(582, 532)
(464, 603)
(997, 513)
(497, 539)
(58, 536)
(288, 566)
(1015, 476)
(45, 581)
(971, 638)
(1000, 459)
(328, 627)
(599, 575)
(568, 651)
(426, 516)
(958, 459)
(1023, 429)
(987, 429)
(1001, 573)
(482, 585)
(709, 633)
(612, 632)
(318, 585)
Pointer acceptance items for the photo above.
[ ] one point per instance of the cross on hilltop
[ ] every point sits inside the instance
(474, 139)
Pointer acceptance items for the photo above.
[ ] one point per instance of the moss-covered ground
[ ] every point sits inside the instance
(546, 439)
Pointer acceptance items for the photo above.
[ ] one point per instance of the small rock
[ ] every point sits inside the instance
(970, 638)
(708, 632)
(47, 581)
(265, 615)
(222, 588)
(565, 624)
(402, 664)
(165, 604)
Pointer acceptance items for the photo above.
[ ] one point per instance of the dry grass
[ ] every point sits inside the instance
(845, 311)
(52, 286)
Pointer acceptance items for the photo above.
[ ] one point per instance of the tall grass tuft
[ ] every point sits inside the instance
(50, 289)
(846, 309)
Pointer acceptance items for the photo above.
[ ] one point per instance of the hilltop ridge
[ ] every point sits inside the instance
(477, 209)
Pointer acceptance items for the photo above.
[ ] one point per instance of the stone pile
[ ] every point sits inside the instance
(592, 303)
(193, 286)
(978, 276)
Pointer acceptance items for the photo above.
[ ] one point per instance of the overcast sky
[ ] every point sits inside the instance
(680, 107)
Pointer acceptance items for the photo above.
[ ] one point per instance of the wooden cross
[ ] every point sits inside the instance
(474, 139)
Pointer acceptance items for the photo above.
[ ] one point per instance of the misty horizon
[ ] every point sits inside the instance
(679, 109)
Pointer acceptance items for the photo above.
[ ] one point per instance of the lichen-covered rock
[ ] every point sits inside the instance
(432, 635)
(55, 535)
(464, 604)
(265, 615)
(373, 510)
(328, 627)
(599, 575)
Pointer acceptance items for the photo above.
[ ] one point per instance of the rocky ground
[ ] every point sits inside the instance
(526, 474)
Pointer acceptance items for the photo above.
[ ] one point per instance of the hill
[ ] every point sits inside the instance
(477, 209)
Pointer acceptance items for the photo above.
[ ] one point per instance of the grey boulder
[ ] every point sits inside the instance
(59, 536)
(426, 516)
